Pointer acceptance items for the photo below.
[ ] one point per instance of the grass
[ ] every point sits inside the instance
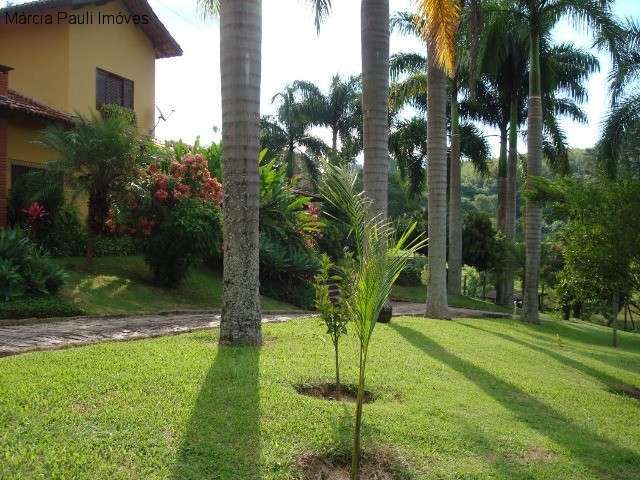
(123, 285)
(418, 293)
(470, 399)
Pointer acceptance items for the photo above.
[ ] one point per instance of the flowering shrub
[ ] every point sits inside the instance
(176, 212)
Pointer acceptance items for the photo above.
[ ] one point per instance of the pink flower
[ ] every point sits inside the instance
(161, 195)
(152, 169)
(35, 213)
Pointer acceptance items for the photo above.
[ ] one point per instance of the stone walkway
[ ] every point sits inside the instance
(71, 332)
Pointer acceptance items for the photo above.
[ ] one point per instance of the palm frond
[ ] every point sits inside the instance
(438, 22)
(321, 10)
(475, 147)
(406, 63)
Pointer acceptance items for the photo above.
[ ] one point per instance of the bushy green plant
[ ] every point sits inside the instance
(24, 269)
(411, 275)
(117, 246)
(57, 228)
(289, 228)
(176, 213)
(185, 237)
(331, 293)
(38, 307)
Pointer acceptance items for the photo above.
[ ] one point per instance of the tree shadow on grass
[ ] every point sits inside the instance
(605, 378)
(588, 334)
(587, 447)
(222, 437)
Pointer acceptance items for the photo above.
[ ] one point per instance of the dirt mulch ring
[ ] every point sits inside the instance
(329, 391)
(380, 464)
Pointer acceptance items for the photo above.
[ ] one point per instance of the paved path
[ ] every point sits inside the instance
(19, 339)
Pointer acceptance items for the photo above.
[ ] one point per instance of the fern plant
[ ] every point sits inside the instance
(378, 261)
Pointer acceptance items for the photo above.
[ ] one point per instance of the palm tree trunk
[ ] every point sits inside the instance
(375, 100)
(512, 193)
(437, 305)
(240, 66)
(503, 208)
(455, 201)
(533, 210)
(512, 170)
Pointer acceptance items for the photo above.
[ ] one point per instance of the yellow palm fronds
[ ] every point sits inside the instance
(437, 21)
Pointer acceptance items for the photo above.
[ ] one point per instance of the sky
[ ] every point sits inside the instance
(188, 87)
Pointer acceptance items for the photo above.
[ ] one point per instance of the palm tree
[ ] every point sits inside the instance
(375, 101)
(438, 22)
(542, 15)
(619, 147)
(501, 103)
(98, 157)
(287, 137)
(240, 68)
(340, 110)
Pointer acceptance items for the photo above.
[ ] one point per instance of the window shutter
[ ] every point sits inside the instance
(101, 88)
(114, 90)
(128, 94)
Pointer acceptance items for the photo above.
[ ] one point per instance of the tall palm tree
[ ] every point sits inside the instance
(240, 67)
(542, 15)
(375, 100)
(438, 24)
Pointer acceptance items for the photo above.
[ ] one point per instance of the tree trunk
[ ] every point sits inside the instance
(334, 141)
(503, 209)
(512, 170)
(240, 66)
(437, 306)
(375, 100)
(512, 193)
(615, 308)
(533, 211)
(454, 278)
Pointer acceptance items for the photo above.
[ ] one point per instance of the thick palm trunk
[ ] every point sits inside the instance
(503, 209)
(454, 280)
(437, 306)
(375, 100)
(533, 210)
(240, 65)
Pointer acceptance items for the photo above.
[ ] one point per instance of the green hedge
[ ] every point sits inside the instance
(38, 307)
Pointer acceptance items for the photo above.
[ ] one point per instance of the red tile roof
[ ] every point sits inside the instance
(14, 103)
(164, 44)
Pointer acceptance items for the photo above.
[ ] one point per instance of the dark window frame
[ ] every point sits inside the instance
(126, 87)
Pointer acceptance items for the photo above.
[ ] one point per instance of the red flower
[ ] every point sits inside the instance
(161, 195)
(152, 169)
(35, 213)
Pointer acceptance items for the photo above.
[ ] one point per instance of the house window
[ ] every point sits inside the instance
(18, 171)
(113, 89)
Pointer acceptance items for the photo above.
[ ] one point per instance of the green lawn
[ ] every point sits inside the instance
(418, 293)
(123, 285)
(471, 399)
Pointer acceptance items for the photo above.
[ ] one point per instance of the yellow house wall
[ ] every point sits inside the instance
(39, 56)
(56, 64)
(120, 49)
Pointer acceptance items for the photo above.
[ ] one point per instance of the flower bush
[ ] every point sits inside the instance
(176, 212)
